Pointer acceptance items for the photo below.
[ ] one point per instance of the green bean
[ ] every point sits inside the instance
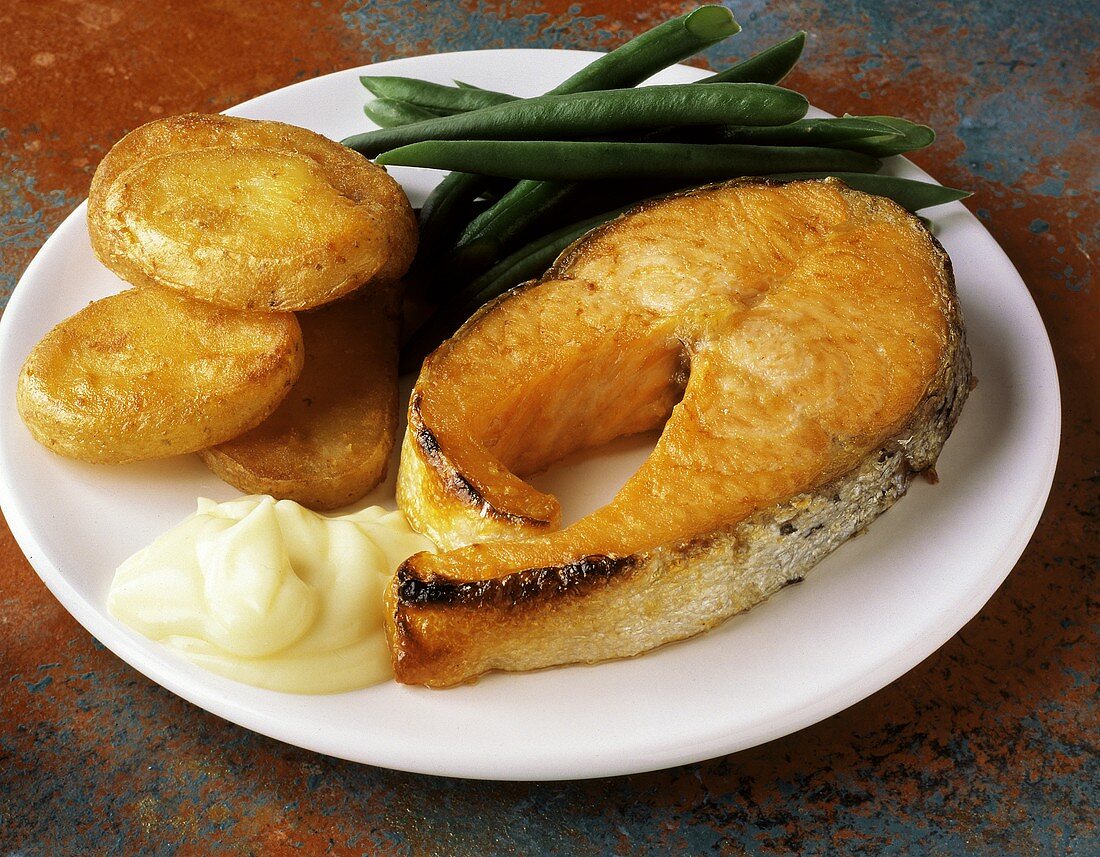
(848, 133)
(445, 202)
(870, 135)
(514, 211)
(433, 96)
(451, 197)
(573, 161)
(908, 193)
(529, 261)
(443, 211)
(500, 230)
(391, 113)
(769, 66)
(627, 65)
(593, 114)
(638, 59)
(494, 189)
(530, 203)
(447, 208)
(654, 50)
(910, 136)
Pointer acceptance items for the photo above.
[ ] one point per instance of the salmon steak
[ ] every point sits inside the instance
(802, 346)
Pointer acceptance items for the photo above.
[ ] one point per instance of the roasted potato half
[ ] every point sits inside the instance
(329, 441)
(148, 373)
(247, 214)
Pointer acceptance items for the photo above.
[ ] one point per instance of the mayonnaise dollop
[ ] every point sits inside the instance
(269, 593)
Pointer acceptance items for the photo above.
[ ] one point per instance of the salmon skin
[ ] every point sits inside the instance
(803, 348)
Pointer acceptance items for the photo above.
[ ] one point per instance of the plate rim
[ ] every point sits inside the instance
(131, 651)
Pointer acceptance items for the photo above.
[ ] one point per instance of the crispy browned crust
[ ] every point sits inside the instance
(455, 482)
(432, 491)
(446, 631)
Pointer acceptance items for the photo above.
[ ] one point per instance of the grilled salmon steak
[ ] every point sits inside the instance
(803, 348)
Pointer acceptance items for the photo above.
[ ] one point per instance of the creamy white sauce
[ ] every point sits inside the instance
(269, 593)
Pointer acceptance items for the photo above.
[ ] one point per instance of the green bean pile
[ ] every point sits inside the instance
(530, 176)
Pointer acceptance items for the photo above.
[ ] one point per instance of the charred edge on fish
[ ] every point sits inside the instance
(516, 588)
(463, 487)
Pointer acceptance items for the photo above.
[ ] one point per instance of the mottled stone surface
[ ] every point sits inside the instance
(989, 747)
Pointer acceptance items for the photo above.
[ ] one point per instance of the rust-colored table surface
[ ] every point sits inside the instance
(988, 747)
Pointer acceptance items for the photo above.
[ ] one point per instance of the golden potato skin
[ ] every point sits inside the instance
(148, 373)
(329, 441)
(247, 214)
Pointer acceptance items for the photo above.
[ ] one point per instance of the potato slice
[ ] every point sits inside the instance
(329, 441)
(148, 373)
(246, 213)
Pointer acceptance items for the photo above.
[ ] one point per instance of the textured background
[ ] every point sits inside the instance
(989, 747)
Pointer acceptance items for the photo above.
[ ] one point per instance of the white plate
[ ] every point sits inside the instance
(869, 613)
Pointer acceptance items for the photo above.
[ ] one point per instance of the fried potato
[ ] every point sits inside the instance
(148, 373)
(247, 214)
(329, 441)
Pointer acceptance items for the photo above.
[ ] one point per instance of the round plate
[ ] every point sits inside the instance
(870, 612)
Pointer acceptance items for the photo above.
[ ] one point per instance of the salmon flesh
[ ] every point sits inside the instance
(802, 346)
